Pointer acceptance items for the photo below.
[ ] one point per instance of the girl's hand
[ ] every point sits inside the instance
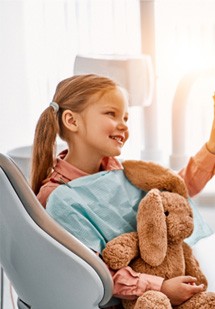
(211, 141)
(180, 289)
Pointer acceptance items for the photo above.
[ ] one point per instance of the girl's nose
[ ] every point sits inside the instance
(123, 126)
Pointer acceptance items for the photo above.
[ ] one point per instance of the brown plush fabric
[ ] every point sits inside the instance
(149, 175)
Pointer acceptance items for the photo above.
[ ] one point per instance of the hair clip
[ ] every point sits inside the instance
(55, 106)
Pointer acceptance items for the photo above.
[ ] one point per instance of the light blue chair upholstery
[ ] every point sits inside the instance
(47, 266)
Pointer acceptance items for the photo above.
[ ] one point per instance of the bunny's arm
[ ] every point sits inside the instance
(192, 266)
(121, 250)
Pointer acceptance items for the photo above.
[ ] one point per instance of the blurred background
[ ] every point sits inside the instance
(40, 40)
(39, 44)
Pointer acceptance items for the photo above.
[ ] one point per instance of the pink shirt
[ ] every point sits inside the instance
(64, 172)
(199, 170)
(127, 283)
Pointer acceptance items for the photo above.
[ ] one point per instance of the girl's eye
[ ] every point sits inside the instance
(111, 113)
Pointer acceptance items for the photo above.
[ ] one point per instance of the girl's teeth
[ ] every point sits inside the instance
(118, 139)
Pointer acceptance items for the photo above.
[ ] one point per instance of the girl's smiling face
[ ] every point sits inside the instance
(102, 125)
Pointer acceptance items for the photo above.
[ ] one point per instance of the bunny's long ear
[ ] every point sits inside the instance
(149, 175)
(152, 229)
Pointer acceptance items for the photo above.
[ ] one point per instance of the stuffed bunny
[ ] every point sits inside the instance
(164, 220)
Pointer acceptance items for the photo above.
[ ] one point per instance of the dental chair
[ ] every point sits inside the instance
(47, 266)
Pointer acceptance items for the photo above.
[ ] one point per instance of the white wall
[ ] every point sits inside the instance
(14, 99)
(39, 40)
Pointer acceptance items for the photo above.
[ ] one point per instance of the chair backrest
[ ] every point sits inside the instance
(47, 266)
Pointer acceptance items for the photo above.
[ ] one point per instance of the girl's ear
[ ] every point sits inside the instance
(69, 119)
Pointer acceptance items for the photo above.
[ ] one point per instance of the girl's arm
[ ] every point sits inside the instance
(201, 167)
(199, 170)
(129, 284)
(211, 143)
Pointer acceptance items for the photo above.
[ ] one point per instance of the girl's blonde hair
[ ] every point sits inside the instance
(72, 93)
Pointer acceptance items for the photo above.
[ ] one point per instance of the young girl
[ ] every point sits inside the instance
(90, 113)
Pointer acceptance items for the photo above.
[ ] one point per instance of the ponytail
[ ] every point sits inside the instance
(44, 147)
